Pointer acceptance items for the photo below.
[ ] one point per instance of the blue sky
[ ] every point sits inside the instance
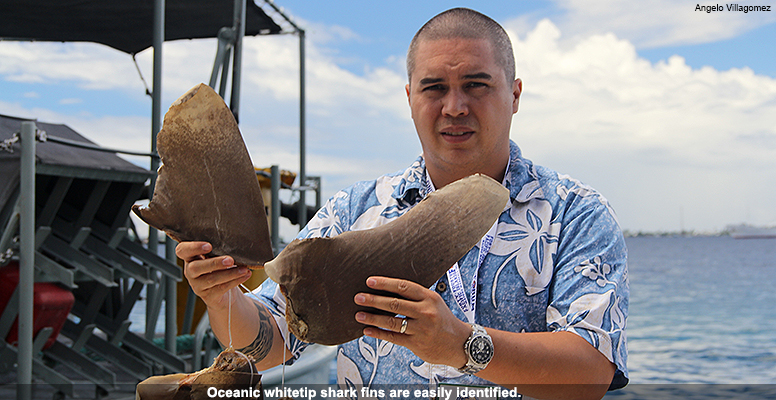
(384, 28)
(666, 110)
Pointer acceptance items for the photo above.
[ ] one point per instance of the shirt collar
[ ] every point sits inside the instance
(411, 181)
(521, 179)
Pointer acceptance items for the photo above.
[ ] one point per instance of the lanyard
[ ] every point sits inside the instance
(468, 305)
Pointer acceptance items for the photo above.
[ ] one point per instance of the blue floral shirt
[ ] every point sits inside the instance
(558, 263)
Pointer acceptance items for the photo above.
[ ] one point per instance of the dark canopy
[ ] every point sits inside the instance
(126, 25)
(61, 160)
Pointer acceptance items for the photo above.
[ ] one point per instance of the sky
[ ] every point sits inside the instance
(668, 111)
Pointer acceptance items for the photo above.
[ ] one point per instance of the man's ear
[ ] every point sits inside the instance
(407, 89)
(517, 89)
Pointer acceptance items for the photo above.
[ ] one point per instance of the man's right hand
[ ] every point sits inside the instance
(210, 278)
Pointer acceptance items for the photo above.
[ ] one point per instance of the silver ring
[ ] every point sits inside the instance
(403, 325)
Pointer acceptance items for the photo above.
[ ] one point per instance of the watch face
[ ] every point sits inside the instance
(481, 350)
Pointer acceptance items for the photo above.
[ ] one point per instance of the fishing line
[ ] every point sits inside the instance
(229, 319)
(229, 325)
(283, 368)
(250, 363)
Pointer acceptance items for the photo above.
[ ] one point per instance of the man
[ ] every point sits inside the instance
(546, 311)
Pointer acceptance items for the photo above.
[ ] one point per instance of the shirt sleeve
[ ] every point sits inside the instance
(590, 291)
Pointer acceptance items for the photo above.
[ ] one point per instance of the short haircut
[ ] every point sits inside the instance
(468, 24)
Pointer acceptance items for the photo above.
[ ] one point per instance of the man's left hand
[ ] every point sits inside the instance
(432, 332)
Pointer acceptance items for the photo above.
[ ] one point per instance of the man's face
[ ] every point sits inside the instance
(462, 106)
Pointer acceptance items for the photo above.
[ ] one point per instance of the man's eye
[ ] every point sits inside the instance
(476, 84)
(433, 88)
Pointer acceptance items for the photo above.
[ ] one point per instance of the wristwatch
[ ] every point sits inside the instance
(479, 349)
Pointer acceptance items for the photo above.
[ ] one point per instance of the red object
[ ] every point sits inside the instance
(51, 304)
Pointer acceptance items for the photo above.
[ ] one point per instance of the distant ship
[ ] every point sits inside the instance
(745, 231)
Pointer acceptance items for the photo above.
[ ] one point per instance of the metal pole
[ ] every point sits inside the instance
(225, 36)
(171, 302)
(156, 123)
(188, 315)
(224, 73)
(275, 209)
(239, 25)
(89, 146)
(302, 139)
(302, 145)
(170, 289)
(26, 259)
(318, 193)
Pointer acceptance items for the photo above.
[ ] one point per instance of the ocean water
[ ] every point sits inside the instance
(702, 310)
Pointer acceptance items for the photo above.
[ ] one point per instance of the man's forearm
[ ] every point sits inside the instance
(261, 345)
(254, 331)
(558, 365)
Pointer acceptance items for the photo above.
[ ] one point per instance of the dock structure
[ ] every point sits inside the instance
(82, 241)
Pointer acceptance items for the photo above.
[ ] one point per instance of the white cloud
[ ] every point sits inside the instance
(657, 136)
(323, 34)
(93, 66)
(70, 100)
(655, 23)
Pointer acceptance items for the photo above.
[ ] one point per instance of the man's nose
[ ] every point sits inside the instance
(455, 104)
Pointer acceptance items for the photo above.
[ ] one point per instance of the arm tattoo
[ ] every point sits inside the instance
(263, 342)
